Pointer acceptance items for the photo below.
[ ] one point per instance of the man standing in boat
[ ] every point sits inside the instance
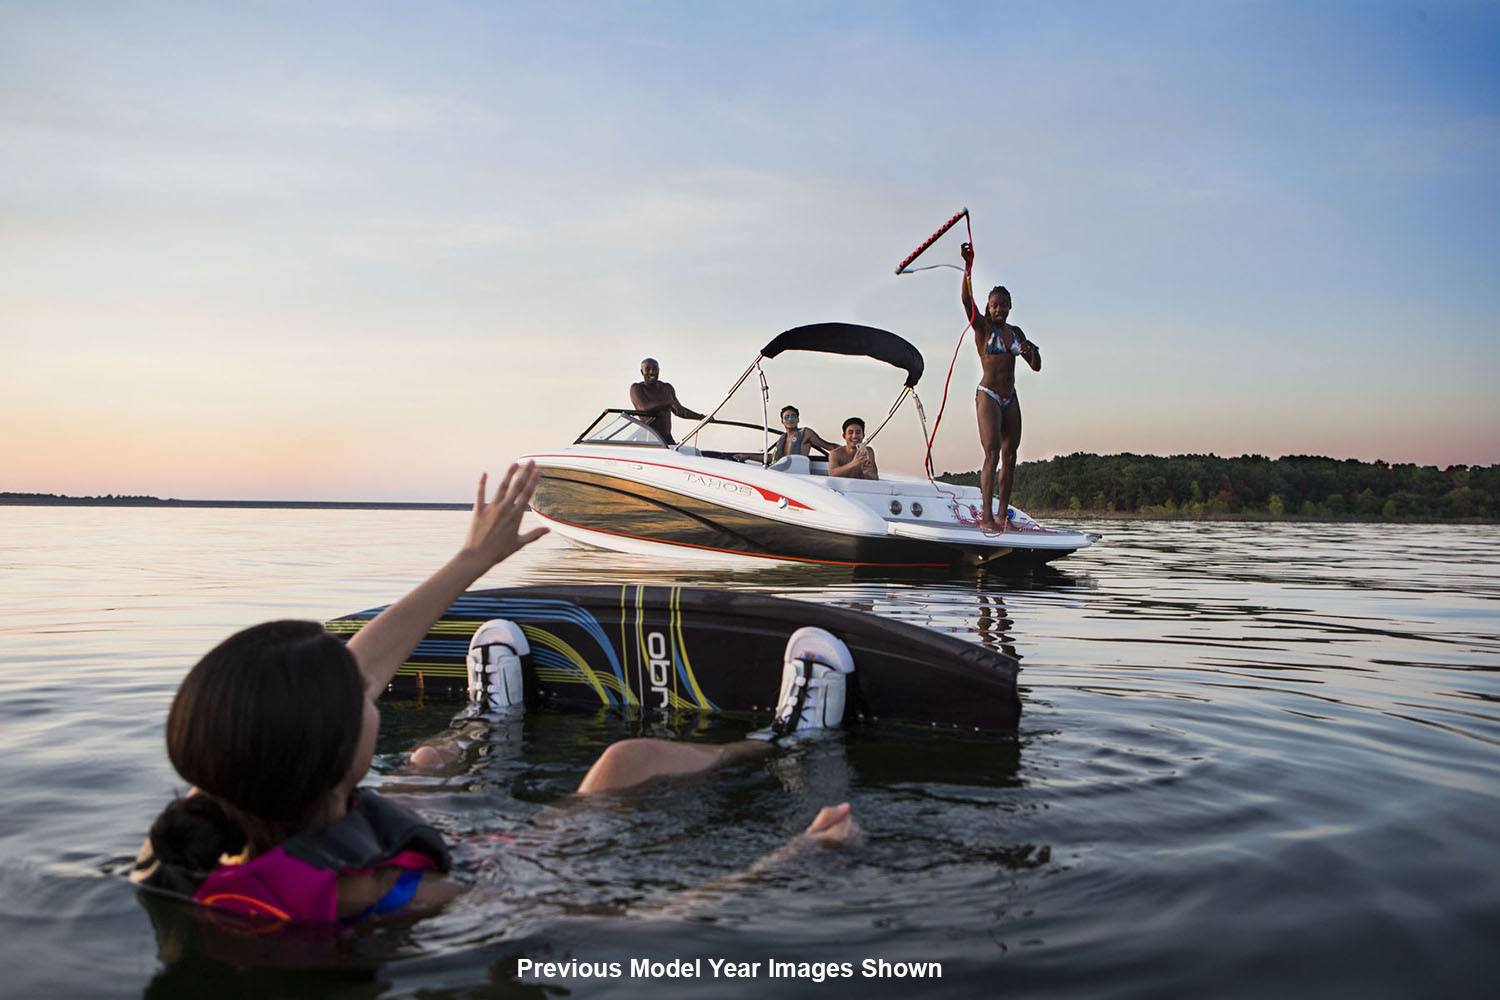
(999, 411)
(853, 460)
(658, 400)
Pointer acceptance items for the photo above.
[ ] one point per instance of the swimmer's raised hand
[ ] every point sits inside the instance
(383, 645)
(494, 530)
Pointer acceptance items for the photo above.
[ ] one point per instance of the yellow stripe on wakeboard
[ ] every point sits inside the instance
(542, 637)
(687, 663)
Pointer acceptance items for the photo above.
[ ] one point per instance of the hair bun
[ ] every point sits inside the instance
(194, 832)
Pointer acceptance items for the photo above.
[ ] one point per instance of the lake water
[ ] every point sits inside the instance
(1254, 760)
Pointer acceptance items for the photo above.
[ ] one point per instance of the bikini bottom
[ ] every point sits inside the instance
(1002, 403)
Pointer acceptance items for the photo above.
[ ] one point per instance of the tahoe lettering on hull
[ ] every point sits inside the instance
(713, 482)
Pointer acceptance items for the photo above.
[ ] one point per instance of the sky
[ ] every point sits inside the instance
(367, 250)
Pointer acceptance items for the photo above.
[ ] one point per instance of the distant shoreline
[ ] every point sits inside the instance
(43, 500)
(1259, 517)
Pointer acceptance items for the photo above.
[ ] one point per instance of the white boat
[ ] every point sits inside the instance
(622, 486)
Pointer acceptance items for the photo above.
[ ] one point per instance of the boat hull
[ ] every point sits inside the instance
(613, 512)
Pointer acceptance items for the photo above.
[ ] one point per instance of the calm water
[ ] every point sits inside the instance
(1252, 760)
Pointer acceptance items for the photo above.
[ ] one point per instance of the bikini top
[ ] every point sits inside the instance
(997, 346)
(795, 447)
(297, 880)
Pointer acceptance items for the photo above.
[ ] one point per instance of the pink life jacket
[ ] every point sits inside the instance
(298, 879)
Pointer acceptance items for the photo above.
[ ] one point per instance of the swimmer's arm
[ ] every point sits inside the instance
(874, 473)
(357, 893)
(833, 827)
(383, 645)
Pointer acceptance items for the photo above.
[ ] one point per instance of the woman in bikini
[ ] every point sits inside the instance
(999, 411)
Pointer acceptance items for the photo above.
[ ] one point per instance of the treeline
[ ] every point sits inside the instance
(1253, 485)
(59, 498)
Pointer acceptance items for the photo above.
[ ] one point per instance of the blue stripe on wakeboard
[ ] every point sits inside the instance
(539, 609)
(556, 661)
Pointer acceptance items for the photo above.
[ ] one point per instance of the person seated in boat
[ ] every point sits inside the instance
(794, 440)
(276, 727)
(852, 460)
(658, 400)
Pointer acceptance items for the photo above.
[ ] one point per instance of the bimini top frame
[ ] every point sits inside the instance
(832, 338)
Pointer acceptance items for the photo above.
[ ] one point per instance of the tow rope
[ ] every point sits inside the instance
(905, 268)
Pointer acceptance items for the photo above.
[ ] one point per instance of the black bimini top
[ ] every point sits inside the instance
(848, 338)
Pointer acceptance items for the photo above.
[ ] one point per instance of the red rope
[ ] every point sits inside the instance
(937, 422)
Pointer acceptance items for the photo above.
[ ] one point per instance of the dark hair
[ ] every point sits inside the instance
(853, 420)
(1004, 290)
(265, 726)
(789, 406)
(194, 832)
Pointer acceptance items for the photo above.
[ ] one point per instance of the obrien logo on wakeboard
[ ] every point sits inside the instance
(660, 666)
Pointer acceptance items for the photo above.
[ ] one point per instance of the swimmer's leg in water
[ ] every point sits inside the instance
(633, 762)
(495, 687)
(812, 698)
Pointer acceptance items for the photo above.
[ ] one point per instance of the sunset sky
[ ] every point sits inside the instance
(366, 250)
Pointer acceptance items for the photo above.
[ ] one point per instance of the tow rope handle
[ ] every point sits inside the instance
(901, 267)
(931, 438)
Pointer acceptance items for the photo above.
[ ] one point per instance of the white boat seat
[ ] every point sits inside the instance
(797, 465)
(841, 485)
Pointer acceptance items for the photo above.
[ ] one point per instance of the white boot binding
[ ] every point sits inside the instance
(494, 665)
(812, 684)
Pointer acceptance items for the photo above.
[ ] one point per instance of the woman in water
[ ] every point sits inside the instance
(999, 411)
(275, 727)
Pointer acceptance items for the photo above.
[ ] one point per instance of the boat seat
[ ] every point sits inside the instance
(841, 485)
(797, 465)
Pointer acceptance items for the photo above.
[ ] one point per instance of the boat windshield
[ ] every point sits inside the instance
(620, 427)
(625, 427)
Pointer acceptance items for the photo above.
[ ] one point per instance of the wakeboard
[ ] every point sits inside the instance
(691, 649)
